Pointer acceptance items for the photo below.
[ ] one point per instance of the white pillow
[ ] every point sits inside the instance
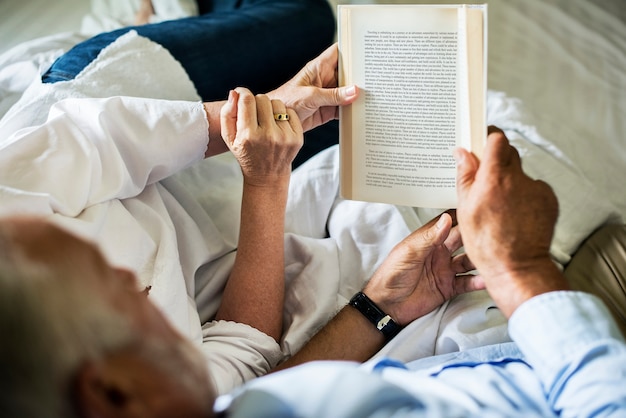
(582, 208)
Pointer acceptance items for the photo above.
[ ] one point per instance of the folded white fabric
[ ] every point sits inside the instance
(24, 63)
(112, 73)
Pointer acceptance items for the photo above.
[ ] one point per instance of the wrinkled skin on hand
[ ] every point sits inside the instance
(422, 272)
(263, 146)
(507, 221)
(313, 92)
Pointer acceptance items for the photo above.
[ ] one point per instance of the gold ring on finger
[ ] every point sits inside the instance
(281, 116)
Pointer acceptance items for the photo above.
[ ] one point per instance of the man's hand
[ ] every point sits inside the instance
(421, 272)
(313, 92)
(507, 220)
(264, 147)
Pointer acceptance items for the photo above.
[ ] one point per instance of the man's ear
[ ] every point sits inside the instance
(101, 391)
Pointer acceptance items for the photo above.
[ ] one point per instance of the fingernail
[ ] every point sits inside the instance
(459, 156)
(231, 96)
(440, 222)
(351, 91)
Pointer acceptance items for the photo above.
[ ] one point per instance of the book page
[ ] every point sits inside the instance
(409, 62)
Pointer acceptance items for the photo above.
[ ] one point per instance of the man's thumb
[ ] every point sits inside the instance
(466, 167)
(433, 233)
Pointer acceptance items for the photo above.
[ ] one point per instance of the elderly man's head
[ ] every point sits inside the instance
(80, 339)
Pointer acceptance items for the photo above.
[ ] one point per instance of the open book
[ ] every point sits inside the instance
(421, 70)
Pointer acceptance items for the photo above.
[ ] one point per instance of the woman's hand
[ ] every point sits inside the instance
(263, 146)
(313, 92)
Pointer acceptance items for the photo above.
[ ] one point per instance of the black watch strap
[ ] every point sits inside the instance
(375, 315)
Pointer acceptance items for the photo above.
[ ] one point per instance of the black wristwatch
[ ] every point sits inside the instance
(375, 315)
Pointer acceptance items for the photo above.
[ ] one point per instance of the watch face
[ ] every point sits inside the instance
(384, 321)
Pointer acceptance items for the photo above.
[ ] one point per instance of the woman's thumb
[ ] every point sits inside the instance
(338, 96)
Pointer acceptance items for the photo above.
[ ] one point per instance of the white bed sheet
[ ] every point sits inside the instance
(566, 62)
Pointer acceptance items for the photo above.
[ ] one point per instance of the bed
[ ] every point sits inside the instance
(557, 80)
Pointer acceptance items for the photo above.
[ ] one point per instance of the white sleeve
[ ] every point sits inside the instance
(236, 353)
(92, 150)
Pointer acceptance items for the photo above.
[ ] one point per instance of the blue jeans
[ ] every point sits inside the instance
(258, 44)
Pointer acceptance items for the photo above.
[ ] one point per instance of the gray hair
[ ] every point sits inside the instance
(52, 322)
(49, 327)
